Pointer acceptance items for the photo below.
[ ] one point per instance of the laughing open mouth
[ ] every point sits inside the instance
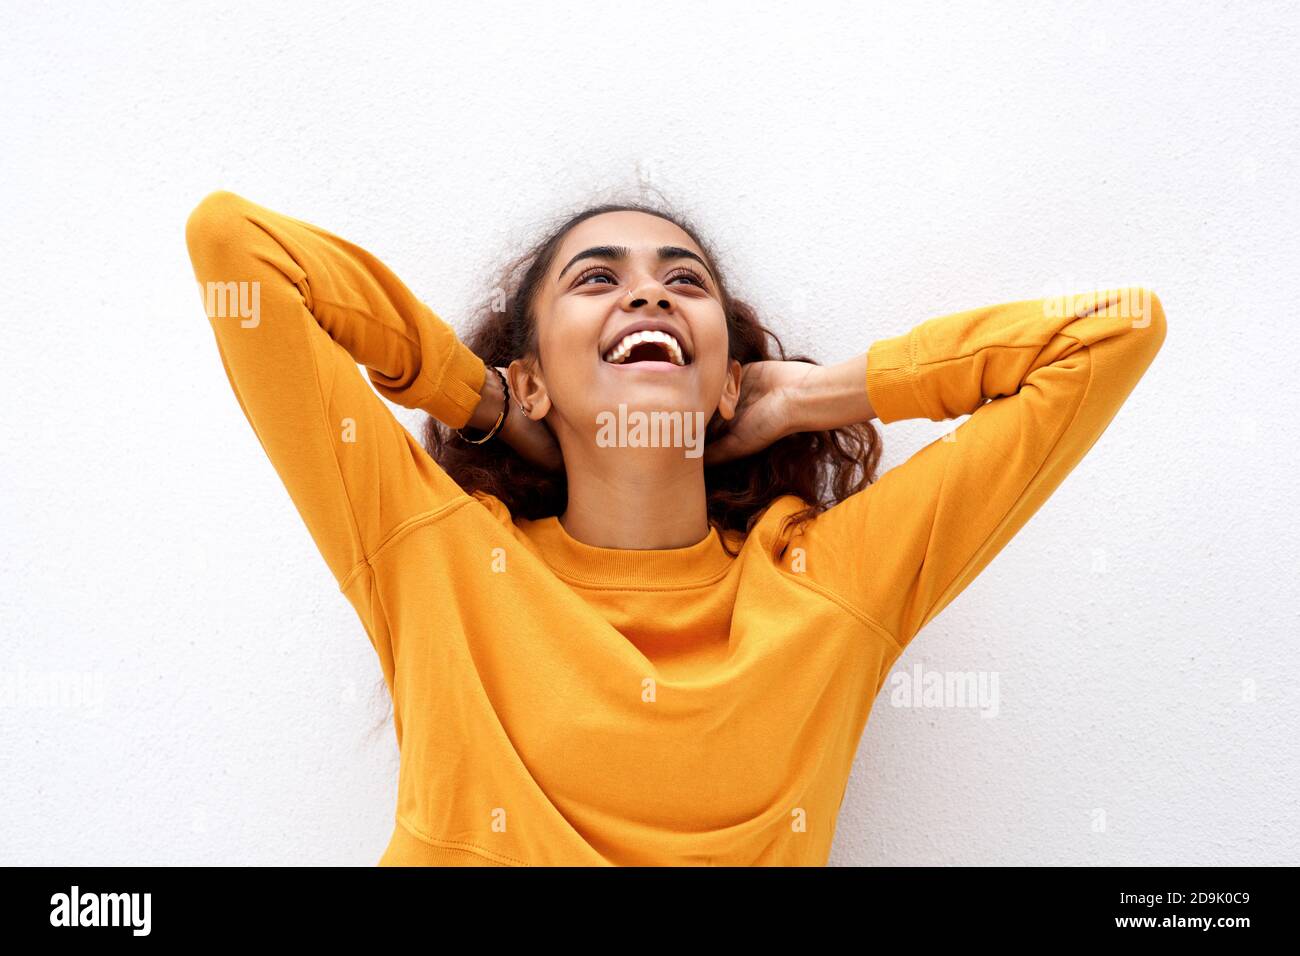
(650, 345)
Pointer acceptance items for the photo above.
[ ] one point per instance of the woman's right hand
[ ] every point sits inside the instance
(531, 439)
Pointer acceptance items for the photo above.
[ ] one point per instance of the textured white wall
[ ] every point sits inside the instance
(861, 169)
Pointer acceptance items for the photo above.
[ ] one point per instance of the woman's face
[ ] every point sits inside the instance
(613, 274)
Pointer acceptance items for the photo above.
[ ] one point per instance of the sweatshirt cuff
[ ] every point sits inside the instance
(893, 385)
(459, 387)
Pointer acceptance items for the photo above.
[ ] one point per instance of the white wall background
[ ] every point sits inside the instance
(861, 168)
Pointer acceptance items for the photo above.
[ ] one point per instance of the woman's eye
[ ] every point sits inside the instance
(594, 273)
(687, 274)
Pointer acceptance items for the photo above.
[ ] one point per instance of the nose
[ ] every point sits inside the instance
(649, 289)
(640, 297)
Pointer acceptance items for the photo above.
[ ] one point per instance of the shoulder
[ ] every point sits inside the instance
(494, 505)
(772, 530)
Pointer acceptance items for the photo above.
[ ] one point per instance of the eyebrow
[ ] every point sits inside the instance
(619, 253)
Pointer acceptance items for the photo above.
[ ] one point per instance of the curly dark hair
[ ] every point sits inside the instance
(821, 468)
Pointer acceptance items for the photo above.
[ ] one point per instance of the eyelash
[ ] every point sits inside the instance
(598, 270)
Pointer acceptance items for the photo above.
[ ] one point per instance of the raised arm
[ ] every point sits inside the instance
(1041, 380)
(294, 309)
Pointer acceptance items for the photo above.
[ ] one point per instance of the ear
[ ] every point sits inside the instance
(528, 389)
(730, 390)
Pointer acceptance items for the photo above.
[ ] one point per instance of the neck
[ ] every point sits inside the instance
(642, 499)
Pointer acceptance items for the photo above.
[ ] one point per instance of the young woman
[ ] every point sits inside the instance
(603, 646)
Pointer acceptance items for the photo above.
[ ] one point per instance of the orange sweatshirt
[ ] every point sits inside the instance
(557, 703)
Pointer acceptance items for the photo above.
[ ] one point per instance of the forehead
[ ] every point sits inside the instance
(638, 231)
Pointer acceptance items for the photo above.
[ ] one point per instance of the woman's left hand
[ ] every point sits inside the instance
(767, 409)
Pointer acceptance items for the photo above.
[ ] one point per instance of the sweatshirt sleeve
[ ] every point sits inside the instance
(1040, 379)
(294, 310)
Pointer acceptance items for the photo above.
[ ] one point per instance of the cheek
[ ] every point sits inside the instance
(569, 333)
(713, 349)
(568, 350)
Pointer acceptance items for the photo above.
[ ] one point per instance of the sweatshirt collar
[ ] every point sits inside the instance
(665, 569)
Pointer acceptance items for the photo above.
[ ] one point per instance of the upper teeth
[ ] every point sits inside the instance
(620, 351)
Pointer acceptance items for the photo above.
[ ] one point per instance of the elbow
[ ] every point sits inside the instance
(1151, 309)
(214, 225)
(1142, 332)
(1138, 313)
(1135, 319)
(1148, 318)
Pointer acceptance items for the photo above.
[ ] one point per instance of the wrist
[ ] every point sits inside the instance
(491, 402)
(830, 397)
(807, 401)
